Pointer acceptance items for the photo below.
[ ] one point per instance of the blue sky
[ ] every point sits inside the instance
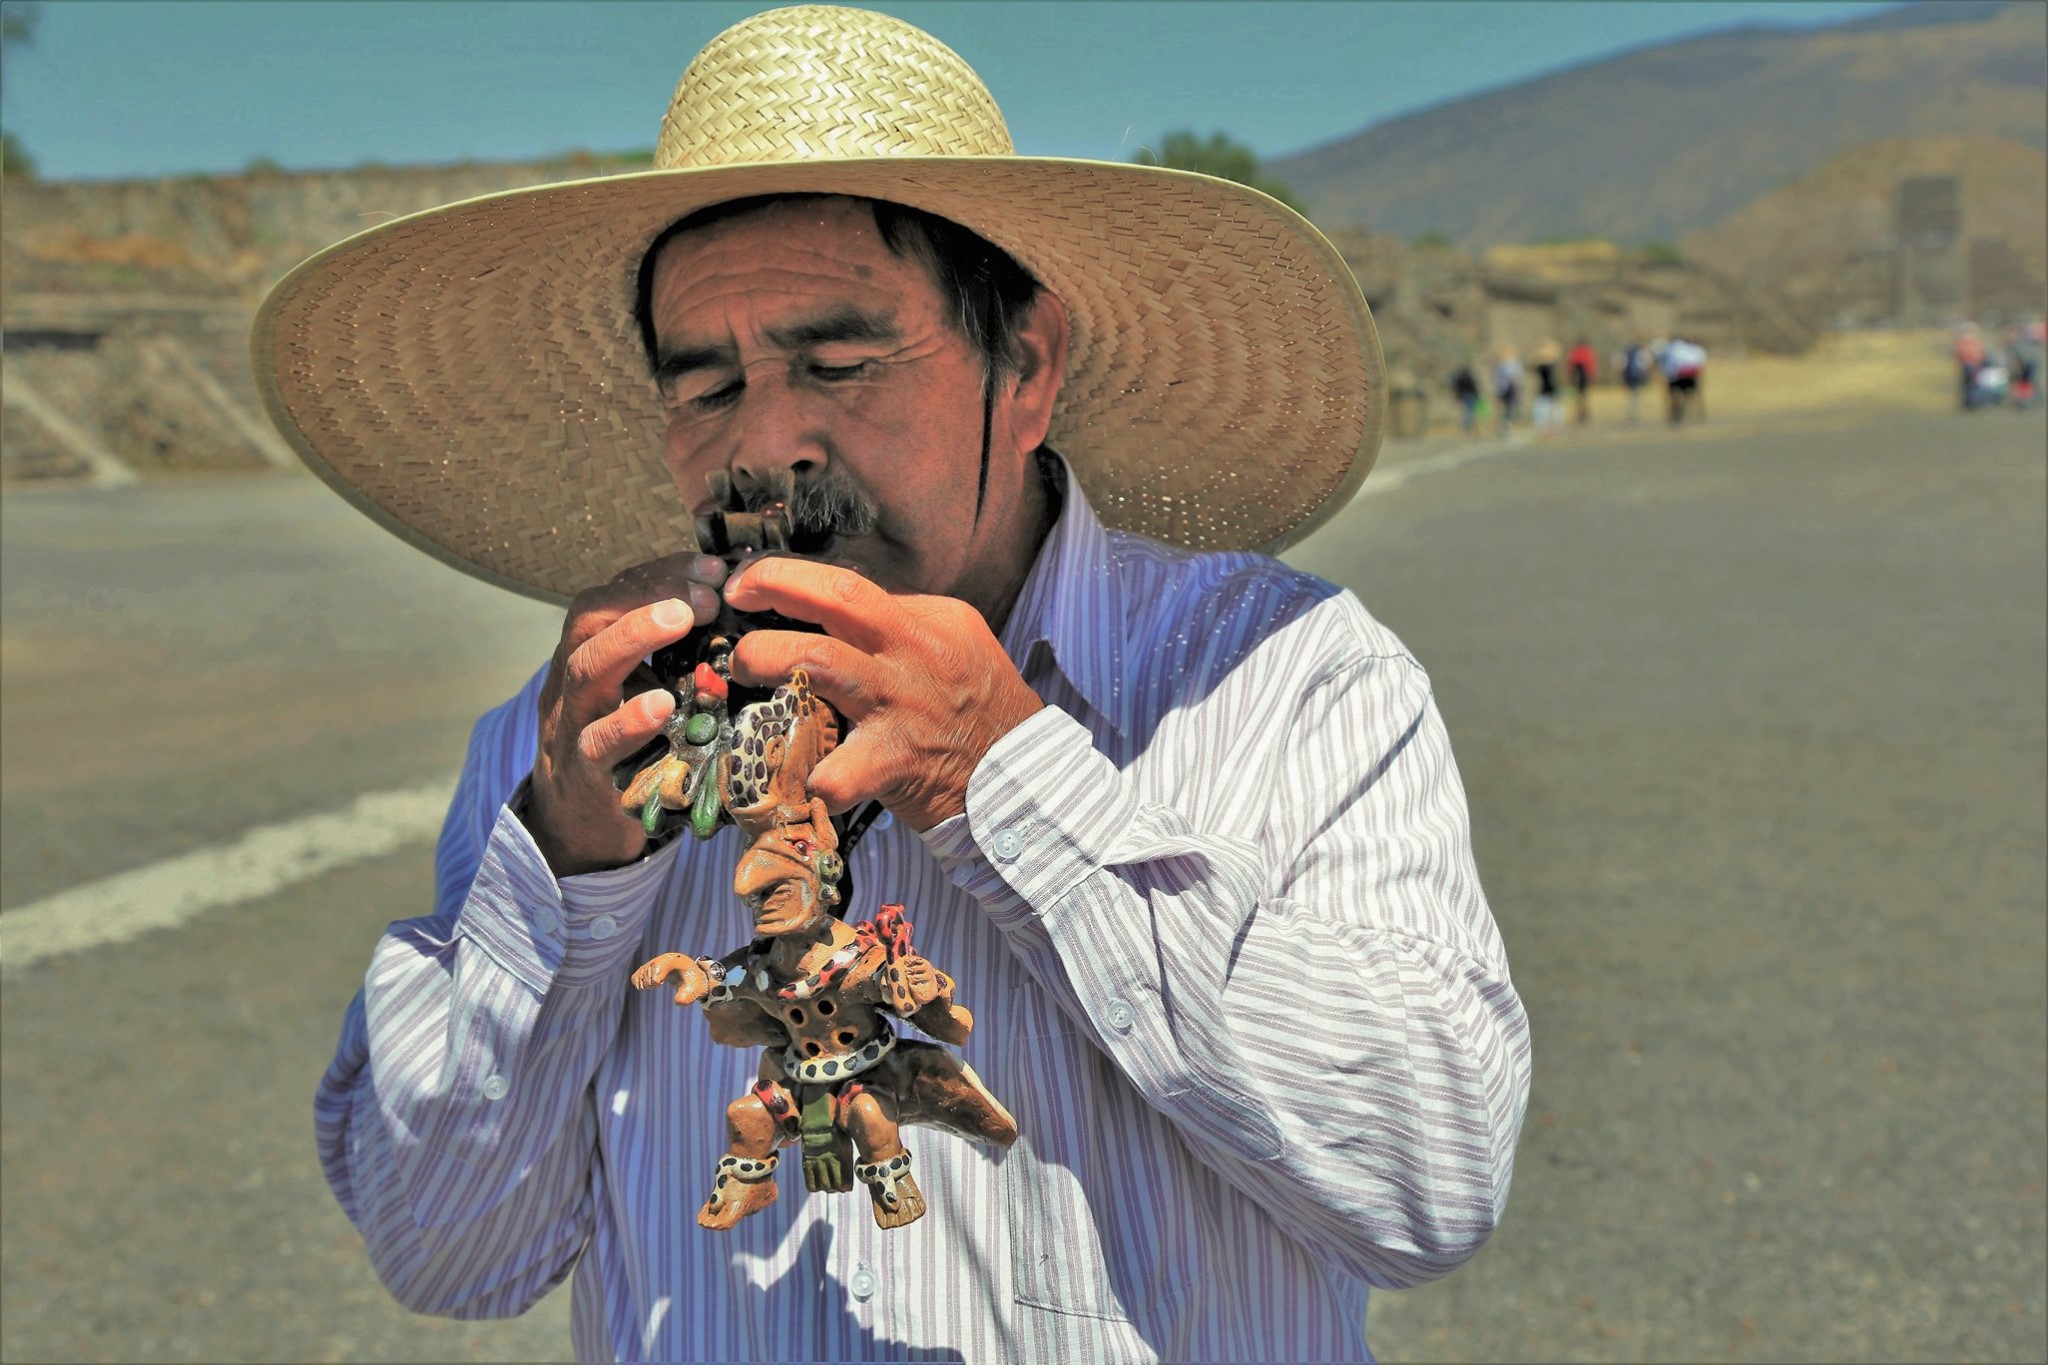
(143, 89)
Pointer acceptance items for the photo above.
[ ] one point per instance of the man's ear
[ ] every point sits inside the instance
(1041, 369)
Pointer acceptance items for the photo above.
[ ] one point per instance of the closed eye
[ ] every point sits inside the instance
(724, 396)
(834, 374)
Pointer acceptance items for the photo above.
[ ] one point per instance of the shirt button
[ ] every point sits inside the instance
(884, 820)
(863, 1284)
(496, 1088)
(1009, 844)
(1120, 1015)
(546, 920)
(603, 927)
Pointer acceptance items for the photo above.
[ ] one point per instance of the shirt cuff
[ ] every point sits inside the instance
(1043, 809)
(579, 929)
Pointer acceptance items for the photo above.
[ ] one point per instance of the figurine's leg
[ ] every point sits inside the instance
(746, 1173)
(884, 1164)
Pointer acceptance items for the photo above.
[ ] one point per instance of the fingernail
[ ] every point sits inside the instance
(671, 614)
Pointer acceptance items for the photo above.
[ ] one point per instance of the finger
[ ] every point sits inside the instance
(596, 670)
(611, 739)
(692, 578)
(852, 773)
(848, 606)
(671, 573)
(846, 677)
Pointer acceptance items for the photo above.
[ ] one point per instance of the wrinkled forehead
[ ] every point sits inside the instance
(787, 255)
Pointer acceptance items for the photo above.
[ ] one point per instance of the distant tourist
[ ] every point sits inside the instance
(1635, 372)
(1585, 367)
(1685, 368)
(1971, 362)
(1465, 387)
(1507, 387)
(1543, 411)
(2026, 364)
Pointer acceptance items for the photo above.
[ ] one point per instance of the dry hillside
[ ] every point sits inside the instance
(1655, 143)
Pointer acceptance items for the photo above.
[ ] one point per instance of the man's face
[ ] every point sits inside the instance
(779, 886)
(793, 338)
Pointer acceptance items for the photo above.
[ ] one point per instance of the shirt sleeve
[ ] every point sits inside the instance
(1319, 1000)
(456, 1124)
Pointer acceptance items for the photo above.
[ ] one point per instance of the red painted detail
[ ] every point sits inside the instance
(844, 1101)
(776, 1102)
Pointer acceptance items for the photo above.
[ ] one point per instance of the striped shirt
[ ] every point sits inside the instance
(1214, 911)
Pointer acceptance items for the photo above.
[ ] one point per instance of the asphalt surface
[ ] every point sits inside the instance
(1755, 729)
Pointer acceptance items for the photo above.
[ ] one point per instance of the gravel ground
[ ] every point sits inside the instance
(1753, 728)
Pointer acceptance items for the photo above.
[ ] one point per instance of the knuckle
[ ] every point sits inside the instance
(822, 654)
(596, 740)
(579, 668)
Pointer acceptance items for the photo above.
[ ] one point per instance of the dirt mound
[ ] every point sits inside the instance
(1826, 243)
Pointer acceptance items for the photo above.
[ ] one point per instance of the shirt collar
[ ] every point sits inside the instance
(1072, 601)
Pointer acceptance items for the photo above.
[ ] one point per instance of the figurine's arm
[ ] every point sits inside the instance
(692, 975)
(923, 994)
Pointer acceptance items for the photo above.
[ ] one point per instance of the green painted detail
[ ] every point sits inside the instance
(824, 1148)
(815, 1126)
(650, 814)
(704, 814)
(701, 728)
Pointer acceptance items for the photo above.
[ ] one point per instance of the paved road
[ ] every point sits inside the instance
(1754, 734)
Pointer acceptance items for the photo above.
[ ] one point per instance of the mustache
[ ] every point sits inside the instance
(828, 504)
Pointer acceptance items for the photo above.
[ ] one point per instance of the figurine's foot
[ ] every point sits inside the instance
(897, 1200)
(745, 1185)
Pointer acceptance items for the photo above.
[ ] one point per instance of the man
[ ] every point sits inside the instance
(1585, 366)
(1507, 387)
(1543, 418)
(1184, 826)
(1685, 368)
(1465, 388)
(1635, 373)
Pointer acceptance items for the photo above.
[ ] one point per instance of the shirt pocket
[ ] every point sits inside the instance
(1091, 1207)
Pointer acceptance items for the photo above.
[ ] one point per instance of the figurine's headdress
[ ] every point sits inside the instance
(472, 377)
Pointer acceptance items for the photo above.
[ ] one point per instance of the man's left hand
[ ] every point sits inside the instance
(923, 682)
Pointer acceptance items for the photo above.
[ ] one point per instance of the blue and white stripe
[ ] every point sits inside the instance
(1216, 915)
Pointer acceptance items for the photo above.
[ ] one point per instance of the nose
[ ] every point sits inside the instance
(774, 429)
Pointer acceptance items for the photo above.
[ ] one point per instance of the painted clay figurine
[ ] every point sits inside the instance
(817, 994)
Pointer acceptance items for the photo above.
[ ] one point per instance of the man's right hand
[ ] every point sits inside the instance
(588, 725)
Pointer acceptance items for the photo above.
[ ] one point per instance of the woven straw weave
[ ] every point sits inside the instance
(472, 377)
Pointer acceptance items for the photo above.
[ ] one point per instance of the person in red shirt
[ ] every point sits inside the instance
(1585, 366)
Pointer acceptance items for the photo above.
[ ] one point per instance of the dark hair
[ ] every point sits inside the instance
(985, 291)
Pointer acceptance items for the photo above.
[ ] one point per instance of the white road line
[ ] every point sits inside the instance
(269, 858)
(1387, 478)
(263, 861)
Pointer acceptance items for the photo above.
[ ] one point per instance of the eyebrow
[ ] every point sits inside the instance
(842, 324)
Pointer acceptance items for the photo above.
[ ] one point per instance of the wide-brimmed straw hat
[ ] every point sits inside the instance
(472, 377)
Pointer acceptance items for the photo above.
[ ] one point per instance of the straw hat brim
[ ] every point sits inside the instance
(472, 378)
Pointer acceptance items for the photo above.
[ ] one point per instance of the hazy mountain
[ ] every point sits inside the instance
(1651, 144)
